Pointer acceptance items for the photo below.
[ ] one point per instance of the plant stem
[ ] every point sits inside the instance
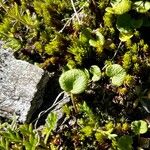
(74, 104)
(117, 50)
(47, 136)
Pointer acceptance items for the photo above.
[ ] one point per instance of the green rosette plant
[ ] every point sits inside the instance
(74, 81)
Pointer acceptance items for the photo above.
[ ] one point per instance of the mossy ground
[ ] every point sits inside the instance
(50, 34)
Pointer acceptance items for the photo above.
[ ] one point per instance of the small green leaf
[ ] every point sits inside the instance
(4, 143)
(125, 143)
(118, 80)
(96, 72)
(139, 127)
(99, 41)
(121, 6)
(26, 129)
(100, 37)
(12, 135)
(85, 35)
(50, 125)
(93, 43)
(116, 73)
(125, 36)
(112, 136)
(108, 134)
(74, 81)
(51, 121)
(141, 6)
(87, 73)
(126, 24)
(114, 70)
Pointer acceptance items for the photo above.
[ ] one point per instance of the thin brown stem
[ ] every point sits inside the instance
(74, 104)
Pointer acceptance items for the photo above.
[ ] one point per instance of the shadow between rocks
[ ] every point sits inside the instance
(51, 92)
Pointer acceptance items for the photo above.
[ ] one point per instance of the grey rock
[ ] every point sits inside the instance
(22, 87)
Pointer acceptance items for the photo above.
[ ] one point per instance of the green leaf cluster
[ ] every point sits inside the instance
(23, 136)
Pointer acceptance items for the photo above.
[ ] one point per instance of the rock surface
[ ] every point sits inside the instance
(22, 86)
